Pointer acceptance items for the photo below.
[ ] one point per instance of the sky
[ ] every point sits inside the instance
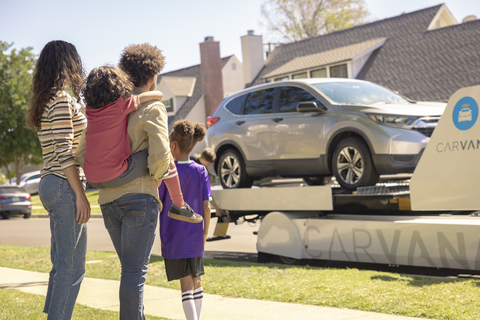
(100, 29)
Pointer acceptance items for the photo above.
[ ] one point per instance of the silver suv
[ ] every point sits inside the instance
(316, 128)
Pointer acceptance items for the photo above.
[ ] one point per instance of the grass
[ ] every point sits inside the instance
(92, 197)
(448, 299)
(27, 306)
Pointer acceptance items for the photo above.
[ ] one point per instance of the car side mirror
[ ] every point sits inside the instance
(310, 106)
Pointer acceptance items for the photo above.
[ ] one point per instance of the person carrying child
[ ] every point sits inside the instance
(183, 244)
(108, 163)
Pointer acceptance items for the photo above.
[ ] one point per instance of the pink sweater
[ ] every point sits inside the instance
(107, 142)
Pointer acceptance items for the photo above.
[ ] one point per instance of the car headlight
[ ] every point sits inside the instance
(393, 120)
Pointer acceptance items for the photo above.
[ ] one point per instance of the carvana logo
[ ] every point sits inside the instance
(465, 113)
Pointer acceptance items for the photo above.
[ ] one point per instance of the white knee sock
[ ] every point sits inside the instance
(198, 298)
(189, 305)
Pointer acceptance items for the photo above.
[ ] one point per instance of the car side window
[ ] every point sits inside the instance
(291, 96)
(34, 177)
(235, 106)
(260, 101)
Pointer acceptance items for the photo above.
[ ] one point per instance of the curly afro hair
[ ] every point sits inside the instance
(141, 62)
(106, 85)
(187, 134)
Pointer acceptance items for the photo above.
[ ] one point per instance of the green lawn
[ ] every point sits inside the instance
(27, 306)
(351, 288)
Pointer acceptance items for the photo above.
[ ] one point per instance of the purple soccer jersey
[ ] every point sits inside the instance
(182, 239)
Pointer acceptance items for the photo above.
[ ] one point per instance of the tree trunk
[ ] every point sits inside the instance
(18, 166)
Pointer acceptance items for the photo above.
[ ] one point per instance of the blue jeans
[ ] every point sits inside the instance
(131, 221)
(68, 247)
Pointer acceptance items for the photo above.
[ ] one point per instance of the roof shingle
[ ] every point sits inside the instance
(420, 64)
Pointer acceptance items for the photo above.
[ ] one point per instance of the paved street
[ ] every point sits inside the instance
(36, 232)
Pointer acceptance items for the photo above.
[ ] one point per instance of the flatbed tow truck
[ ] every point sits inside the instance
(430, 221)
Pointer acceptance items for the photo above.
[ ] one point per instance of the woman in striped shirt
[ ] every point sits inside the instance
(59, 124)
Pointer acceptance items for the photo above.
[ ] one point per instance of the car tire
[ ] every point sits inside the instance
(27, 216)
(5, 216)
(352, 164)
(317, 181)
(231, 171)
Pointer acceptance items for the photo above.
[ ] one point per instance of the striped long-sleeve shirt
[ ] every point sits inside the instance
(61, 127)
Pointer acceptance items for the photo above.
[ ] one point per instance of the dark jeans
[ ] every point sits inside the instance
(131, 221)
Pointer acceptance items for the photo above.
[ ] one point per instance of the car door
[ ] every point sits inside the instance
(296, 137)
(253, 127)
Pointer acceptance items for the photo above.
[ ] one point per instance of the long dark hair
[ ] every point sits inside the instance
(58, 66)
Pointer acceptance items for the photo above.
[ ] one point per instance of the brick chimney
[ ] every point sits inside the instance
(252, 54)
(211, 70)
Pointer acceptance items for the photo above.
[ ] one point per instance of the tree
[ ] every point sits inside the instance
(294, 20)
(17, 144)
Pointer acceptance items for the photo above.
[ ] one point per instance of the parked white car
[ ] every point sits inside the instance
(29, 181)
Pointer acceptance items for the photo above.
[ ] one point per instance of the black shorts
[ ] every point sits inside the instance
(180, 268)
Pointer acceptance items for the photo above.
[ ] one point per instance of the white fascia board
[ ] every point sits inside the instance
(443, 10)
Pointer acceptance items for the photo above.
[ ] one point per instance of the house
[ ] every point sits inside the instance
(194, 92)
(424, 55)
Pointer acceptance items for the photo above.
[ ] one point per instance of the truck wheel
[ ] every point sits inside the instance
(231, 170)
(353, 165)
(317, 181)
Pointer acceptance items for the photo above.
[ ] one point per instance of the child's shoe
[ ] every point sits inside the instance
(184, 214)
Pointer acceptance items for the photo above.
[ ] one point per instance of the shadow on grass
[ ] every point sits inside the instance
(419, 281)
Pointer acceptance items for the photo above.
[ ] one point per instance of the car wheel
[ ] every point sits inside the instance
(27, 215)
(231, 170)
(5, 216)
(317, 181)
(353, 165)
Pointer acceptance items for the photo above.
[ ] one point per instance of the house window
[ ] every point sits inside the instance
(281, 79)
(168, 104)
(320, 73)
(339, 71)
(302, 75)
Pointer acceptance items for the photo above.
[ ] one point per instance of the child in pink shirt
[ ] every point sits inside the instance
(108, 163)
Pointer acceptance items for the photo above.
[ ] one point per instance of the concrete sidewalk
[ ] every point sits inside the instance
(162, 302)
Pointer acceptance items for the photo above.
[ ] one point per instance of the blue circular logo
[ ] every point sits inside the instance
(465, 113)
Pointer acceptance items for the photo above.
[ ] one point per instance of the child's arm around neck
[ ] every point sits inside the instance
(150, 95)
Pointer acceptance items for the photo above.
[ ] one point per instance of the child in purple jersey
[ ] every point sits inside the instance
(183, 244)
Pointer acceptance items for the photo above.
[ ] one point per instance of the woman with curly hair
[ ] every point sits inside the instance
(183, 244)
(53, 114)
(108, 163)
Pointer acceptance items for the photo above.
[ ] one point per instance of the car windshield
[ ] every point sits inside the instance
(345, 92)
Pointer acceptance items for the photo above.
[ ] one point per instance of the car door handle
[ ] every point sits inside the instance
(239, 122)
(277, 119)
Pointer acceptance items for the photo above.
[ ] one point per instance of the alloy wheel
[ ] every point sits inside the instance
(350, 165)
(230, 171)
